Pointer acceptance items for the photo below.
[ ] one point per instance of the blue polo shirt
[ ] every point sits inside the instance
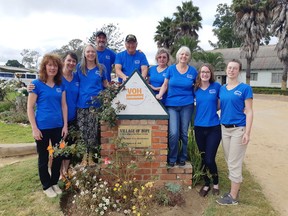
(107, 57)
(232, 104)
(156, 79)
(90, 86)
(130, 63)
(72, 90)
(48, 112)
(180, 86)
(206, 106)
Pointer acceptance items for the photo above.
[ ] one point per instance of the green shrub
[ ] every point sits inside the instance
(269, 90)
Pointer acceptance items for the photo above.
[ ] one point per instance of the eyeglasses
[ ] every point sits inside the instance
(205, 72)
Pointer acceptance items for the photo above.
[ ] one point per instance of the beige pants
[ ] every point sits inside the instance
(234, 151)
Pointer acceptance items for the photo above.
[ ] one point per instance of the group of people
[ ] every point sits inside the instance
(64, 98)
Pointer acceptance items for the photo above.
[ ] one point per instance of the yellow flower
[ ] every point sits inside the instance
(124, 197)
(135, 189)
(150, 196)
(133, 207)
(116, 185)
(114, 189)
(143, 188)
(138, 214)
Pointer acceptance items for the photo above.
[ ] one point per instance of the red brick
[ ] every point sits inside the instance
(135, 122)
(159, 146)
(168, 177)
(162, 122)
(176, 170)
(155, 127)
(143, 122)
(184, 176)
(164, 139)
(143, 171)
(164, 127)
(151, 122)
(164, 152)
(107, 134)
(155, 140)
(159, 134)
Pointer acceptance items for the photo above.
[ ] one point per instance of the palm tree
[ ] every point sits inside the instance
(164, 34)
(214, 58)
(279, 18)
(250, 25)
(188, 20)
(185, 41)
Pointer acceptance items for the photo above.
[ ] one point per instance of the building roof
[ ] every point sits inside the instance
(15, 69)
(266, 58)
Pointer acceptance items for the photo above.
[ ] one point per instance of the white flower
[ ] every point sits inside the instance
(105, 208)
(100, 205)
(102, 213)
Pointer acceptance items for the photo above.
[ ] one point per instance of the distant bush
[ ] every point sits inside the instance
(268, 90)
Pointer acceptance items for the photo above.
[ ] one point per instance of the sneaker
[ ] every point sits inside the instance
(170, 165)
(227, 200)
(56, 189)
(181, 163)
(50, 192)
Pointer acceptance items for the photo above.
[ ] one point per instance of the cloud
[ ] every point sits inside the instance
(45, 25)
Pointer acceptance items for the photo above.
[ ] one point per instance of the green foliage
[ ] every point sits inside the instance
(214, 58)
(14, 63)
(172, 187)
(267, 90)
(106, 112)
(223, 28)
(75, 45)
(195, 157)
(183, 26)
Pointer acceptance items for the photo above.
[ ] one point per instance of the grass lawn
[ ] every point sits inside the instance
(21, 194)
(252, 200)
(15, 133)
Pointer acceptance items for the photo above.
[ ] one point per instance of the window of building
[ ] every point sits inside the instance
(276, 77)
(254, 76)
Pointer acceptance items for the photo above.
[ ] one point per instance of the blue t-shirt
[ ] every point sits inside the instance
(48, 112)
(90, 86)
(232, 104)
(72, 90)
(130, 63)
(180, 86)
(107, 57)
(156, 79)
(206, 106)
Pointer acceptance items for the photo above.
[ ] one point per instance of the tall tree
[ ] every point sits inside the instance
(188, 20)
(14, 63)
(75, 45)
(30, 58)
(223, 28)
(115, 38)
(279, 21)
(214, 58)
(164, 33)
(251, 26)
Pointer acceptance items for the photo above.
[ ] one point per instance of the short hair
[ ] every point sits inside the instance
(182, 49)
(237, 61)
(56, 60)
(72, 54)
(161, 51)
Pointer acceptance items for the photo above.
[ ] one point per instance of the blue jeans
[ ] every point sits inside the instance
(179, 119)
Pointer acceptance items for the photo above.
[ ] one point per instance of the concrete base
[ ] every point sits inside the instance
(21, 149)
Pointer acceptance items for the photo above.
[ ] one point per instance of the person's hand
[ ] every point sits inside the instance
(245, 139)
(125, 78)
(64, 132)
(37, 135)
(30, 87)
(158, 97)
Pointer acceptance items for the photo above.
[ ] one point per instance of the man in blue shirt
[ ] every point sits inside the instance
(106, 56)
(130, 60)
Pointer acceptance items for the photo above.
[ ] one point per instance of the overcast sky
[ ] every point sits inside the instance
(45, 25)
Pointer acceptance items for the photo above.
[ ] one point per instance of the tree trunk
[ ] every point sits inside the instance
(284, 76)
(248, 71)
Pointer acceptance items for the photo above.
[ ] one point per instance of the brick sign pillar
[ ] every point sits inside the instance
(143, 126)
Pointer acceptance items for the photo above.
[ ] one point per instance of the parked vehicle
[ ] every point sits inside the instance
(25, 78)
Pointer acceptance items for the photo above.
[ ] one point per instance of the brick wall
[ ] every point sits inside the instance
(148, 169)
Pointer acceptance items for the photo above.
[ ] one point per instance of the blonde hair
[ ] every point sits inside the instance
(83, 63)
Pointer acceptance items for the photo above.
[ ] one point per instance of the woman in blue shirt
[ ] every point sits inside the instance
(92, 80)
(49, 122)
(207, 125)
(236, 100)
(157, 73)
(179, 81)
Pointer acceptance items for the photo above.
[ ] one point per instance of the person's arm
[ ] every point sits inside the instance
(105, 83)
(163, 89)
(119, 72)
(65, 115)
(249, 120)
(32, 98)
(144, 71)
